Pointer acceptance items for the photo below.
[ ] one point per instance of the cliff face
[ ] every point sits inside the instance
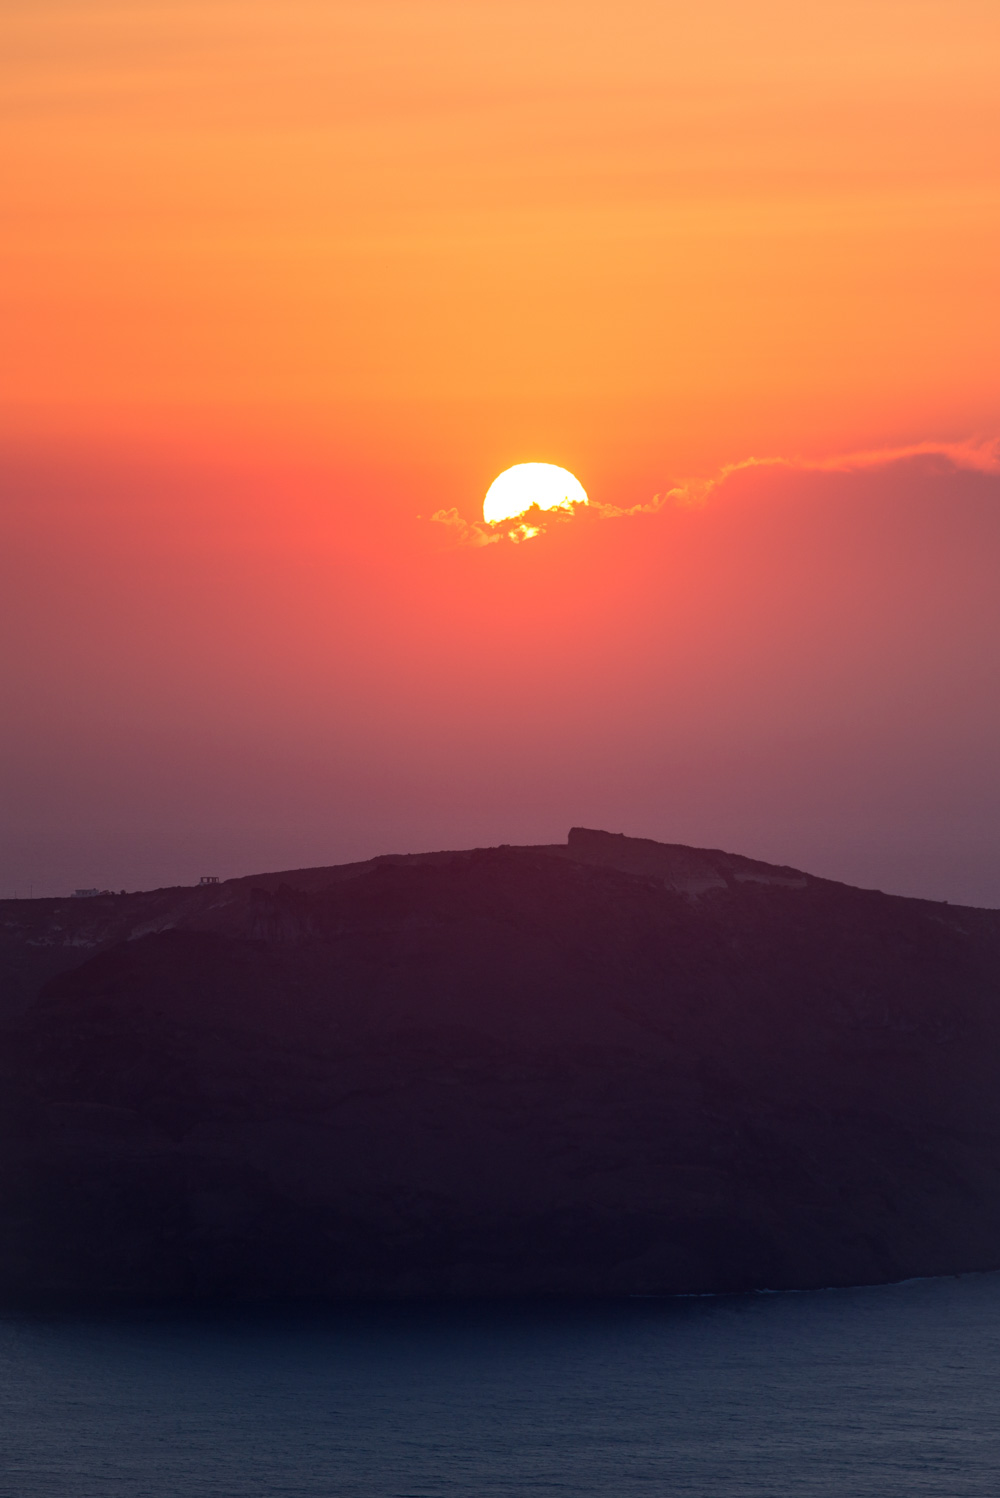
(606, 1067)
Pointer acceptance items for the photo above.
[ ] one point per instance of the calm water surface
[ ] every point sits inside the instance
(884, 1392)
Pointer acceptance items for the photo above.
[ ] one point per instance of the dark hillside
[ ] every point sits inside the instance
(607, 1067)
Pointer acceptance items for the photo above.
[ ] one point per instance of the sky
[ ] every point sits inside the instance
(284, 287)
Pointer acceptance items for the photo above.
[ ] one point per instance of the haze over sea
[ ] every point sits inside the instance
(890, 1391)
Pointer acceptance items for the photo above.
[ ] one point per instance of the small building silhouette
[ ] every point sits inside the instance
(82, 894)
(209, 879)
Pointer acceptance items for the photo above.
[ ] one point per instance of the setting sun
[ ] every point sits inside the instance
(526, 484)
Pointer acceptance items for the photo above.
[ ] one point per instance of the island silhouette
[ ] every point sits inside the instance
(609, 1067)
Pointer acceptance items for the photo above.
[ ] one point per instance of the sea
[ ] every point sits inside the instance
(889, 1392)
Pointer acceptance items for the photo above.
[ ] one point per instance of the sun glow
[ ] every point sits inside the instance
(526, 484)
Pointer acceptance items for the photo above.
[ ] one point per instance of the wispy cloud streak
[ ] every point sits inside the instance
(976, 456)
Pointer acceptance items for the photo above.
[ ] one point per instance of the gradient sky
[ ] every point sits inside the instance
(280, 282)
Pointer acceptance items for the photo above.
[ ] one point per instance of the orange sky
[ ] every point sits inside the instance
(280, 281)
(637, 238)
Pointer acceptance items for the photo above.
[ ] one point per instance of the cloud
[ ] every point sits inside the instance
(524, 527)
(971, 456)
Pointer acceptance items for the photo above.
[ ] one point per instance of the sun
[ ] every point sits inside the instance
(526, 484)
